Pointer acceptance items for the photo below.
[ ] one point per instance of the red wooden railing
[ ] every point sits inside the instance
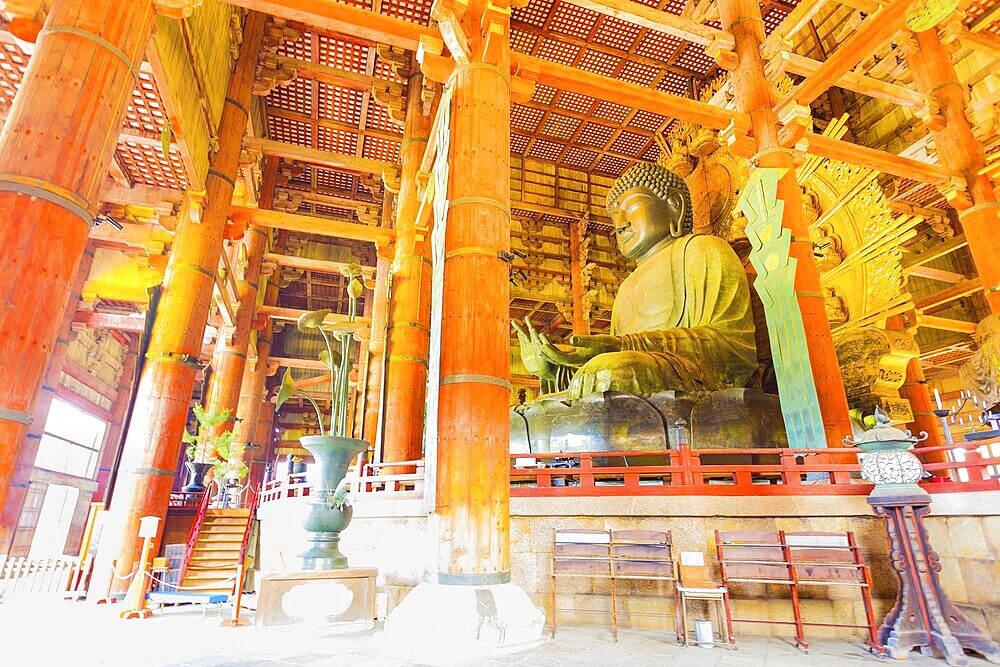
(252, 503)
(759, 472)
(199, 519)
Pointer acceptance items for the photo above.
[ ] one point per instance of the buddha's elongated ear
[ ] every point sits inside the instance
(677, 204)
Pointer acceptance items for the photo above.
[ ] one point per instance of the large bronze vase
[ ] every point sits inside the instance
(197, 472)
(332, 455)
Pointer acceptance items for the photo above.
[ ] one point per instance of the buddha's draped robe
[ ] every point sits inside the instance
(684, 321)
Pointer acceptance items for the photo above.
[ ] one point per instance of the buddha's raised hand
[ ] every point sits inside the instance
(531, 351)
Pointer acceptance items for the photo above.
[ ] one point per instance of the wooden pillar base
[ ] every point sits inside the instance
(924, 616)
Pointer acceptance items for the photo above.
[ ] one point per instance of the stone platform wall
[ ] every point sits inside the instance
(964, 529)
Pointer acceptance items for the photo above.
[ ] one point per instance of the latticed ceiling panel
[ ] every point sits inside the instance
(545, 150)
(415, 11)
(144, 113)
(300, 48)
(581, 104)
(336, 180)
(610, 111)
(380, 149)
(611, 165)
(296, 95)
(343, 54)
(518, 142)
(560, 127)
(616, 33)
(290, 131)
(558, 51)
(340, 104)
(378, 119)
(974, 13)
(336, 141)
(145, 164)
(13, 62)
(644, 120)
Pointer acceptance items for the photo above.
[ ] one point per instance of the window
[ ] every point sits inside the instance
(71, 441)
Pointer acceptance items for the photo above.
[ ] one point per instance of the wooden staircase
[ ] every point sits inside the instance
(216, 551)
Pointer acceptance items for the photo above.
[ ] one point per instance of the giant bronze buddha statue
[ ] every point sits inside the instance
(680, 321)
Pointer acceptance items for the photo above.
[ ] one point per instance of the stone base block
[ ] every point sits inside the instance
(343, 600)
(461, 622)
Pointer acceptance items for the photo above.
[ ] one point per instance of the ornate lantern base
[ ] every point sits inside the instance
(923, 615)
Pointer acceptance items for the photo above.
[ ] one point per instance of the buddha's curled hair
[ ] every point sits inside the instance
(660, 181)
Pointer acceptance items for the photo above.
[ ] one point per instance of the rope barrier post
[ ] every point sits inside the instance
(107, 599)
(236, 621)
(135, 600)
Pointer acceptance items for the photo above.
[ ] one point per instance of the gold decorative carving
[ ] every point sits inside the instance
(272, 71)
(873, 364)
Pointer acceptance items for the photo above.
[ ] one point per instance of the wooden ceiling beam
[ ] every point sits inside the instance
(929, 254)
(601, 87)
(330, 75)
(314, 197)
(865, 40)
(317, 265)
(333, 124)
(939, 300)
(871, 158)
(318, 157)
(293, 314)
(345, 20)
(294, 362)
(946, 324)
(935, 274)
(308, 224)
(858, 83)
(654, 19)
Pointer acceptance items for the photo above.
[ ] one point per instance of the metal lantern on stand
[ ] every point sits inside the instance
(923, 615)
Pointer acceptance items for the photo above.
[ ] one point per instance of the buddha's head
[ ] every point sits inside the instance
(648, 205)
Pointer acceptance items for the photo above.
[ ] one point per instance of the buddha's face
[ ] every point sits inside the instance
(642, 220)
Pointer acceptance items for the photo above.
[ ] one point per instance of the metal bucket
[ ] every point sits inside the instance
(704, 635)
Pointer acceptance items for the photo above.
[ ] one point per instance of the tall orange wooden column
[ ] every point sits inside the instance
(29, 446)
(377, 342)
(119, 412)
(409, 308)
(153, 444)
(253, 391)
(473, 440)
(230, 356)
(960, 152)
(581, 323)
(55, 148)
(756, 96)
(470, 523)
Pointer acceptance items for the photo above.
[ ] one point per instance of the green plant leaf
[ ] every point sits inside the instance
(355, 288)
(286, 390)
(311, 320)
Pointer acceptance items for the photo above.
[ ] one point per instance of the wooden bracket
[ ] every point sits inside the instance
(796, 120)
(449, 15)
(391, 179)
(720, 50)
(776, 56)
(433, 65)
(956, 192)
(396, 57)
(930, 114)
(522, 82)
(390, 95)
(494, 25)
(739, 140)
